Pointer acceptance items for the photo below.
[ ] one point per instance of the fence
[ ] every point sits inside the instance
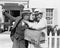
(53, 41)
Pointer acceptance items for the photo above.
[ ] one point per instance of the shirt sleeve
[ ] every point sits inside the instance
(29, 23)
(41, 24)
(9, 16)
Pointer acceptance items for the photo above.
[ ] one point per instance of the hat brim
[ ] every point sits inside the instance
(26, 12)
(38, 13)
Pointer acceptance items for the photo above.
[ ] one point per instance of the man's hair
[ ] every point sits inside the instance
(21, 6)
(23, 15)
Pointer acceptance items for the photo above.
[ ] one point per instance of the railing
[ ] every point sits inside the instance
(53, 41)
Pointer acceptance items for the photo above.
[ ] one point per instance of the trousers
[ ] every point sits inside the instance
(18, 44)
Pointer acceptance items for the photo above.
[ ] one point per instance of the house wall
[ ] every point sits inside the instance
(47, 4)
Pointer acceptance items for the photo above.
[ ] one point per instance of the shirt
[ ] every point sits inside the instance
(42, 23)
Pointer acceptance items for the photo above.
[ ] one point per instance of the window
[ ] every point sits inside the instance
(49, 12)
(15, 13)
(49, 15)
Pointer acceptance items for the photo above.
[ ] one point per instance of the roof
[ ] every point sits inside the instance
(12, 6)
(15, 0)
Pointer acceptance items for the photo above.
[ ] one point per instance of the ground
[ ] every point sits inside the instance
(5, 41)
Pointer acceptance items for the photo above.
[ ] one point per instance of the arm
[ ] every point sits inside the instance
(37, 26)
(29, 23)
(43, 24)
(41, 29)
(9, 16)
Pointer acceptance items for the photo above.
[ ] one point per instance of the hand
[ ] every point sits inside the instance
(34, 42)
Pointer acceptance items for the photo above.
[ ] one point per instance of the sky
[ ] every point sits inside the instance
(47, 4)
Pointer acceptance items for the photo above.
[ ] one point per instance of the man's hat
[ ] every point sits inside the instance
(26, 12)
(21, 6)
(36, 10)
(36, 14)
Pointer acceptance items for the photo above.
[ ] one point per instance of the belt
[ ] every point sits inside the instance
(31, 28)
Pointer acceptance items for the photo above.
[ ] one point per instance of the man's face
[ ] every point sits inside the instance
(39, 16)
(27, 17)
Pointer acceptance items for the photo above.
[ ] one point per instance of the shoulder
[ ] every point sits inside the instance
(19, 17)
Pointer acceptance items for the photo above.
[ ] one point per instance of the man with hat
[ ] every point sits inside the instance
(18, 36)
(36, 14)
(18, 29)
(39, 24)
(26, 16)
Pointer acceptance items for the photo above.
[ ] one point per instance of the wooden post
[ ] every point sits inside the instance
(50, 40)
(1, 17)
(28, 4)
(55, 40)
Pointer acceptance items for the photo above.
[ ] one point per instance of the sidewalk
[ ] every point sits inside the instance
(5, 41)
(6, 32)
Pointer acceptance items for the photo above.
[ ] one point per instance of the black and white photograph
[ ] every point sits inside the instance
(29, 24)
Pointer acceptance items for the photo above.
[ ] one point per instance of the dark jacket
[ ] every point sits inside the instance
(19, 32)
